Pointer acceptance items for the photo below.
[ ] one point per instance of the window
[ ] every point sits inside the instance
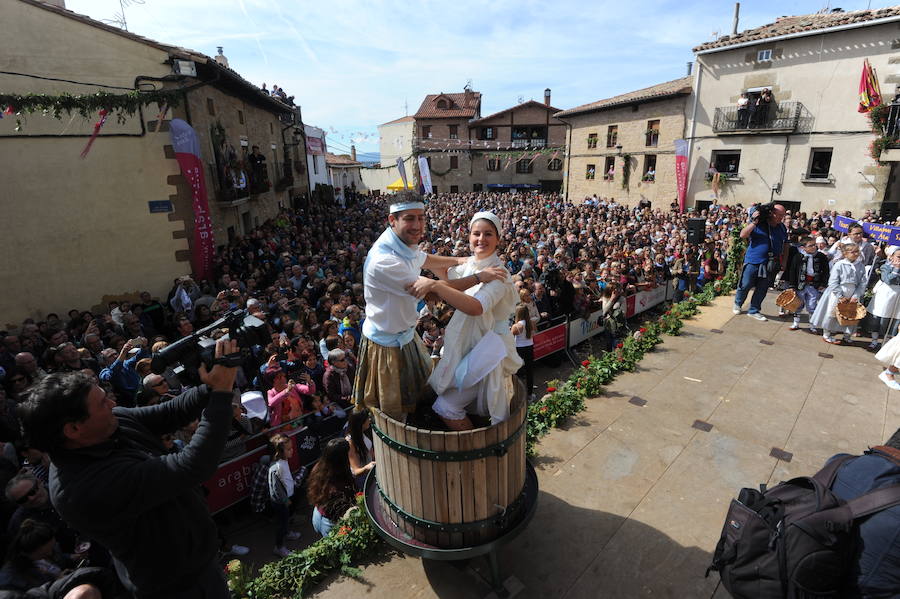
(524, 166)
(454, 131)
(454, 162)
(426, 131)
(609, 168)
(454, 189)
(554, 165)
(649, 168)
(727, 162)
(589, 173)
(819, 163)
(652, 134)
(443, 104)
(486, 133)
(592, 141)
(315, 165)
(434, 189)
(210, 107)
(477, 187)
(493, 164)
(241, 116)
(764, 56)
(271, 129)
(612, 136)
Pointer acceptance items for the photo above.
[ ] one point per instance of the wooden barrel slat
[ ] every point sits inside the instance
(426, 479)
(441, 498)
(415, 482)
(450, 491)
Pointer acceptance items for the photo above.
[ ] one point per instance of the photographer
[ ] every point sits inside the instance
(767, 235)
(112, 480)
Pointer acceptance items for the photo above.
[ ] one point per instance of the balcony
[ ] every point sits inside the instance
(782, 117)
(529, 143)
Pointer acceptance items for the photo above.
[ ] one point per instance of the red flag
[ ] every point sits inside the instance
(97, 126)
(869, 90)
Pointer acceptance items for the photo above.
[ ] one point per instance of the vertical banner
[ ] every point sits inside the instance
(402, 169)
(424, 174)
(187, 152)
(681, 171)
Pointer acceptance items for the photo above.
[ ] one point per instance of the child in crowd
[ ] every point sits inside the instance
(807, 274)
(281, 489)
(847, 280)
(886, 300)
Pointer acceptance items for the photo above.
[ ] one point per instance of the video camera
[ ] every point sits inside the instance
(187, 354)
(762, 212)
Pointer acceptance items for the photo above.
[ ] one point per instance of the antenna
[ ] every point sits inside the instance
(405, 108)
(521, 98)
(715, 35)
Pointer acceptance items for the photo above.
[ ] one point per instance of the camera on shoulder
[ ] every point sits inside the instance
(186, 355)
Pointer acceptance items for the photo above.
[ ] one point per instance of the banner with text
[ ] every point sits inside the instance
(187, 152)
(875, 231)
(581, 329)
(681, 171)
(549, 341)
(424, 174)
(644, 300)
(315, 146)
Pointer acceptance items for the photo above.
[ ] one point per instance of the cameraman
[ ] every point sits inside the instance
(112, 480)
(767, 235)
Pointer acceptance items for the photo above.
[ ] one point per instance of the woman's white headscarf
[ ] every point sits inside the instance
(486, 216)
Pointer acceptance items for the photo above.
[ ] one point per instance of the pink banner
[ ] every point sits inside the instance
(681, 170)
(314, 146)
(187, 152)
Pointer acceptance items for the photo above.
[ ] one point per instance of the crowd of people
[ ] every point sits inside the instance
(302, 274)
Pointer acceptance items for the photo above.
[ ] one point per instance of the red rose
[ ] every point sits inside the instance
(620, 346)
(544, 409)
(642, 330)
(586, 363)
(551, 389)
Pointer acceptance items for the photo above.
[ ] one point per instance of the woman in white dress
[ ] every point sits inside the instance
(885, 304)
(479, 356)
(847, 279)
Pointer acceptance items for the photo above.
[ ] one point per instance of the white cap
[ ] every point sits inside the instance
(487, 216)
(405, 205)
(891, 249)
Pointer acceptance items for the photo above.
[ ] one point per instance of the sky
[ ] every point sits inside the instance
(353, 65)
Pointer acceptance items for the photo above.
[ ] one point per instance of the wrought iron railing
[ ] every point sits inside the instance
(781, 116)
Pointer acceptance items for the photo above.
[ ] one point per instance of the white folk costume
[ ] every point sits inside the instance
(885, 304)
(393, 363)
(847, 279)
(479, 358)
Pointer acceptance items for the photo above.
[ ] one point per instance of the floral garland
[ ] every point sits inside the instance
(87, 105)
(878, 121)
(355, 538)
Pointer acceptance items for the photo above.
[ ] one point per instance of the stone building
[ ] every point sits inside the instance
(809, 147)
(121, 220)
(344, 173)
(520, 147)
(623, 147)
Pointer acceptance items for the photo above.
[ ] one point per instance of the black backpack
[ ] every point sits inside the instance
(795, 540)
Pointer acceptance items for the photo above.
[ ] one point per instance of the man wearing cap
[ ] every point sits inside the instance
(393, 363)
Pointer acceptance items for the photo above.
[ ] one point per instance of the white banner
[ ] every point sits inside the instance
(644, 300)
(424, 174)
(581, 329)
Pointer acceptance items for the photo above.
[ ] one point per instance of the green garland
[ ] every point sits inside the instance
(355, 538)
(878, 121)
(122, 105)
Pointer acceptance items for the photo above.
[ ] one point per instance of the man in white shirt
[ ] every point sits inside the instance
(394, 365)
(855, 235)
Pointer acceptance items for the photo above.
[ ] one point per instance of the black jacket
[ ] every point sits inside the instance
(141, 503)
(795, 275)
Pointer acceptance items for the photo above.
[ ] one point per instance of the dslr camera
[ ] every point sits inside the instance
(187, 354)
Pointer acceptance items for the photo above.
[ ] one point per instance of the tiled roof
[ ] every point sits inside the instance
(678, 87)
(175, 50)
(511, 108)
(402, 119)
(799, 24)
(459, 108)
(340, 160)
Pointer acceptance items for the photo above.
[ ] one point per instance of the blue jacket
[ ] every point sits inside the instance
(124, 378)
(877, 567)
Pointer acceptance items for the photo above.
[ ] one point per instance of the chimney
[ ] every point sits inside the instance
(690, 68)
(547, 97)
(467, 97)
(353, 153)
(737, 14)
(220, 58)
